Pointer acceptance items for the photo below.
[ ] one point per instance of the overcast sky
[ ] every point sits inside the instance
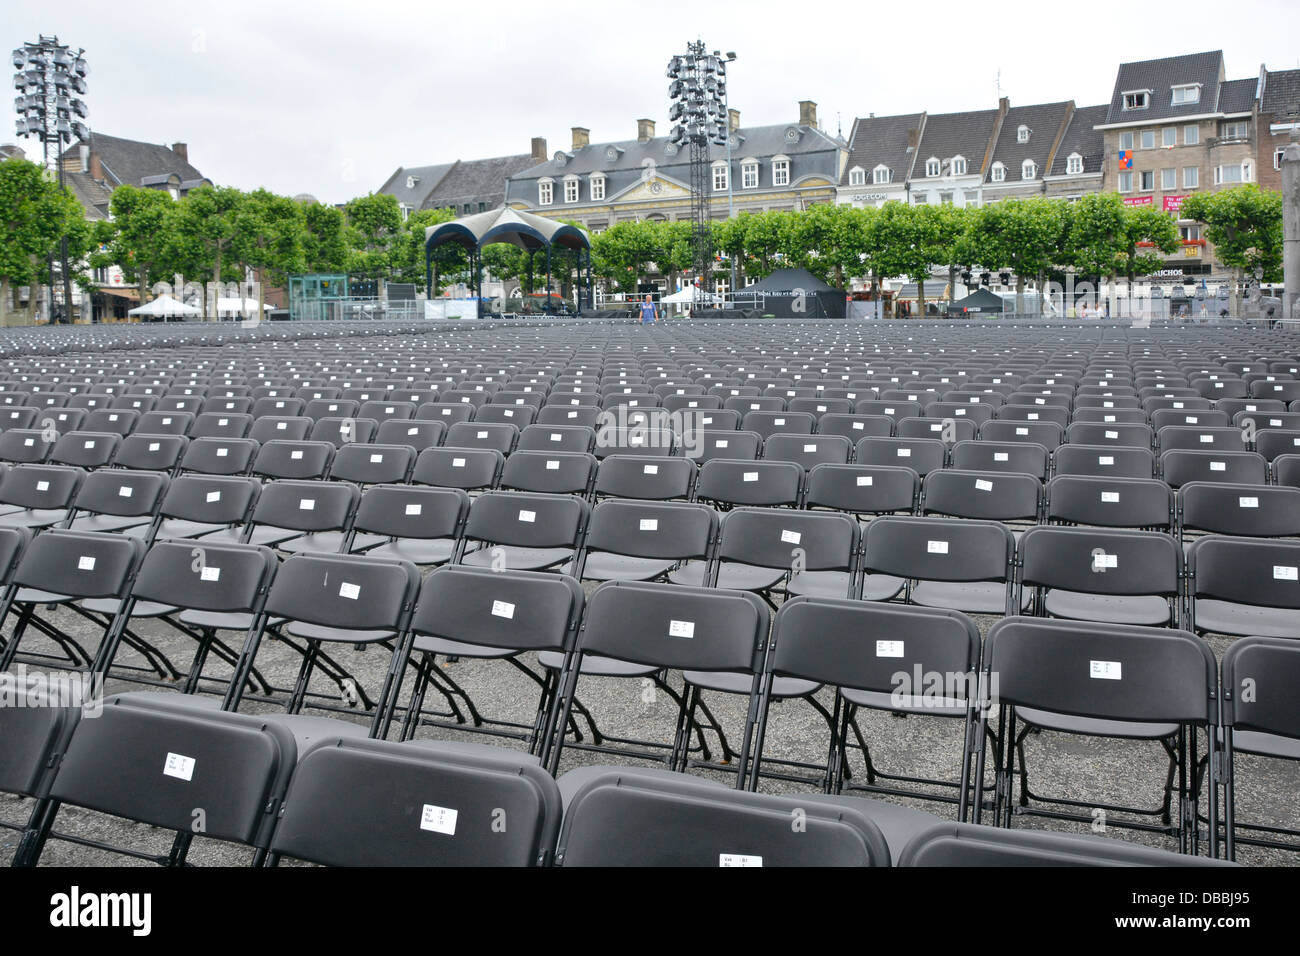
(330, 97)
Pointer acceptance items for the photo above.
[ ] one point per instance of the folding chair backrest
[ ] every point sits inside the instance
(780, 538)
(1022, 457)
(1245, 571)
(372, 464)
(165, 423)
(952, 844)
(1110, 502)
(1180, 466)
(150, 452)
(411, 511)
(1048, 434)
(519, 610)
(1259, 677)
(293, 459)
(1105, 462)
(226, 578)
(419, 435)
(939, 549)
(465, 468)
(40, 487)
(808, 451)
(211, 499)
(494, 435)
(121, 492)
(527, 520)
(34, 735)
(549, 472)
(1259, 511)
(981, 494)
(280, 429)
(646, 529)
(219, 456)
(85, 449)
(622, 476)
(556, 438)
(344, 591)
(724, 443)
(862, 489)
(307, 505)
(1101, 560)
(85, 564)
(750, 482)
(922, 455)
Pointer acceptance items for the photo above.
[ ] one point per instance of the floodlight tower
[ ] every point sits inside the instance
(49, 77)
(698, 95)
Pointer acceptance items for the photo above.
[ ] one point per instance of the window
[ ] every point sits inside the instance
(722, 285)
(881, 175)
(1188, 93)
(1148, 139)
(597, 187)
(1028, 169)
(959, 165)
(571, 190)
(465, 210)
(945, 198)
(1191, 135)
(406, 211)
(1277, 158)
(1235, 129)
(781, 171)
(971, 198)
(1126, 182)
(720, 177)
(1022, 133)
(1074, 164)
(1232, 174)
(482, 207)
(932, 166)
(998, 173)
(1137, 100)
(1169, 136)
(1191, 177)
(857, 176)
(1168, 179)
(1147, 180)
(1126, 140)
(545, 192)
(411, 181)
(1189, 232)
(749, 175)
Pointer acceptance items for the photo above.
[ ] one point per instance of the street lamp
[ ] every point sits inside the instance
(45, 71)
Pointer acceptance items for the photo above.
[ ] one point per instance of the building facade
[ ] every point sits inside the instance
(1277, 122)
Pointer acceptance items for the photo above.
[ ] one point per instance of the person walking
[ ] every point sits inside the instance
(649, 313)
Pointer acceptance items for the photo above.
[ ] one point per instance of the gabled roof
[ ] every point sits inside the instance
(1083, 138)
(882, 141)
(94, 197)
(130, 162)
(428, 178)
(476, 180)
(1044, 122)
(1237, 96)
(1160, 77)
(955, 134)
(1281, 93)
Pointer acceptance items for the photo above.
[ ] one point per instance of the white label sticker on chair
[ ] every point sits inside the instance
(809, 448)
(295, 455)
(414, 509)
(791, 537)
(281, 426)
(1001, 456)
(307, 504)
(737, 859)
(179, 766)
(126, 491)
(889, 411)
(904, 453)
(1108, 418)
(778, 421)
(859, 426)
(503, 609)
(167, 420)
(528, 516)
(1105, 670)
(650, 470)
(552, 466)
(649, 524)
(864, 481)
(1040, 401)
(1032, 416)
(1110, 497)
(458, 463)
(889, 648)
(1022, 431)
(213, 496)
(1102, 560)
(1191, 419)
(1107, 404)
(438, 819)
(937, 427)
(209, 573)
(376, 459)
(1218, 466)
(90, 444)
(85, 563)
(681, 628)
(1247, 502)
(982, 485)
(42, 486)
(413, 431)
(1207, 439)
(556, 436)
(749, 475)
(1112, 436)
(1283, 573)
(936, 547)
(349, 591)
(1105, 459)
(481, 435)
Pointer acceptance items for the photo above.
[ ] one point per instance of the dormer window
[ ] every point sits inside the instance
(749, 174)
(1028, 169)
(857, 176)
(720, 176)
(959, 165)
(1137, 99)
(570, 188)
(597, 186)
(882, 175)
(780, 171)
(545, 192)
(932, 166)
(998, 173)
(411, 181)
(1186, 93)
(1022, 133)
(1073, 164)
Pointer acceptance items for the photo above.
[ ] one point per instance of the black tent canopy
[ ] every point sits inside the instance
(979, 301)
(795, 293)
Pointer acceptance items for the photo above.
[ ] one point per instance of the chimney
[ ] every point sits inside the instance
(733, 120)
(914, 137)
(1004, 104)
(181, 150)
(83, 151)
(94, 167)
(581, 137)
(539, 149)
(807, 113)
(645, 130)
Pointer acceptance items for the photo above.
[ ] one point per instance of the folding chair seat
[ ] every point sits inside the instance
(228, 405)
(85, 449)
(1139, 503)
(990, 456)
(1179, 466)
(633, 629)
(1286, 470)
(372, 464)
(293, 459)
(469, 469)
(331, 408)
(946, 430)
(922, 455)
(283, 406)
(1259, 717)
(873, 655)
(233, 766)
(724, 482)
(121, 421)
(1102, 680)
(996, 496)
(289, 515)
(408, 523)
(1112, 575)
(490, 435)
(765, 550)
(1124, 416)
(1108, 435)
(524, 531)
(415, 434)
(117, 499)
(547, 472)
(1252, 511)
(570, 438)
(150, 452)
(59, 568)
(279, 429)
(349, 805)
(968, 845)
(1194, 418)
(221, 425)
(633, 540)
(1048, 434)
(520, 416)
(1243, 586)
(957, 563)
(585, 416)
(635, 817)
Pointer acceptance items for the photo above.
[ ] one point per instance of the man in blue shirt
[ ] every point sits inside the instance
(649, 313)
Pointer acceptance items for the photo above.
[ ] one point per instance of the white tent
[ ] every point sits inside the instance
(236, 306)
(687, 296)
(164, 306)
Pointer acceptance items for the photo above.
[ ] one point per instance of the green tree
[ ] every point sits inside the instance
(1245, 225)
(324, 240)
(34, 215)
(1023, 235)
(136, 238)
(899, 244)
(201, 234)
(374, 230)
(407, 258)
(946, 239)
(622, 254)
(268, 235)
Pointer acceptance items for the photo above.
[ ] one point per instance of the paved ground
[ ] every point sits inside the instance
(1093, 771)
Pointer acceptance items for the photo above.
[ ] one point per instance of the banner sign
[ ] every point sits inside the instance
(1137, 200)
